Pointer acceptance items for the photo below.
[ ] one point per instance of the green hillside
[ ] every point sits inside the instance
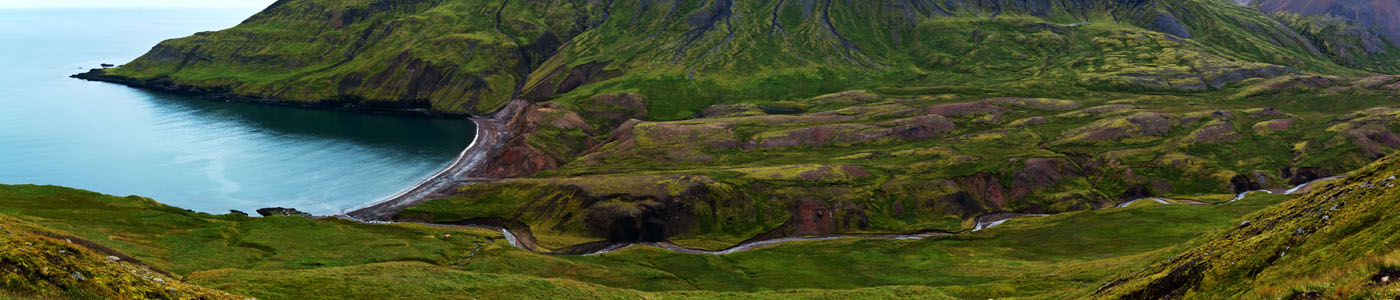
(288, 257)
(702, 125)
(471, 56)
(1334, 243)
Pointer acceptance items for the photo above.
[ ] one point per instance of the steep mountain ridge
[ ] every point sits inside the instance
(1378, 14)
(472, 56)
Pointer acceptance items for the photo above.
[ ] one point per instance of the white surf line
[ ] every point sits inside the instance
(460, 157)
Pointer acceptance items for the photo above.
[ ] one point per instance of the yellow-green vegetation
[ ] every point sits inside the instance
(1337, 242)
(706, 124)
(472, 56)
(40, 263)
(864, 161)
(1024, 258)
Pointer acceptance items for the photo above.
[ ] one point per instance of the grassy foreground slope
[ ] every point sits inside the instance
(37, 262)
(297, 258)
(1338, 242)
(472, 56)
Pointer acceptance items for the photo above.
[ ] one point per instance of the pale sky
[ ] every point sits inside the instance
(132, 3)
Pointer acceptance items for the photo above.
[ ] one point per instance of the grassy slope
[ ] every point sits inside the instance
(450, 56)
(1024, 258)
(38, 262)
(470, 56)
(1337, 242)
(911, 182)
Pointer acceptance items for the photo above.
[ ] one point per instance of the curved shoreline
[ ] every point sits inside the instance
(442, 183)
(490, 135)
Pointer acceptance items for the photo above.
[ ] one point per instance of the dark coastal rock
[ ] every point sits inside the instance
(237, 212)
(281, 211)
(108, 65)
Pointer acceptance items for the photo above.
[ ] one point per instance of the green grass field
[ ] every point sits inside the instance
(297, 258)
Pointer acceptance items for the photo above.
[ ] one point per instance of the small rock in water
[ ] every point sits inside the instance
(281, 211)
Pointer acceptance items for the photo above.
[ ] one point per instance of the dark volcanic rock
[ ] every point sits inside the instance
(281, 211)
(1296, 176)
(1166, 23)
(1242, 183)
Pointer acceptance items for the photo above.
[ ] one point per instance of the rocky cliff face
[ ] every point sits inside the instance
(1351, 32)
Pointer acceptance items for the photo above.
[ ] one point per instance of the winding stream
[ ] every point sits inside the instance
(983, 222)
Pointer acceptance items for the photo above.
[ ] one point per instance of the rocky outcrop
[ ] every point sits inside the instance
(958, 110)
(1166, 23)
(1296, 176)
(281, 211)
(910, 129)
(1140, 125)
(1215, 131)
(1038, 103)
(618, 209)
(1270, 126)
(540, 137)
(731, 110)
(668, 142)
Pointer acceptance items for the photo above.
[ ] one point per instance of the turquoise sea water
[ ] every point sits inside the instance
(192, 153)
